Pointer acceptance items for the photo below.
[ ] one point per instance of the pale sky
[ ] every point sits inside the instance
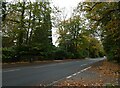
(68, 5)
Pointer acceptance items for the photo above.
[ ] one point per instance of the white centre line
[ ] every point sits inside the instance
(78, 72)
(12, 70)
(74, 74)
(85, 69)
(69, 77)
(83, 64)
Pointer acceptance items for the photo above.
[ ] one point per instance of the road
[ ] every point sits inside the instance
(45, 74)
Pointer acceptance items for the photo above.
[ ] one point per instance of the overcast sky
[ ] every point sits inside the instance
(68, 5)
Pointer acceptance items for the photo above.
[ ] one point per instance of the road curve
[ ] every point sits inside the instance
(45, 75)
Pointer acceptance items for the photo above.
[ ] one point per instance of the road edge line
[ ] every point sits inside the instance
(70, 76)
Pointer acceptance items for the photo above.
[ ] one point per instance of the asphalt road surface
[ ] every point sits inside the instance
(45, 74)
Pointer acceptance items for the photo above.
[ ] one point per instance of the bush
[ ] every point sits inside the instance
(83, 54)
(69, 55)
(60, 54)
(16, 54)
(8, 55)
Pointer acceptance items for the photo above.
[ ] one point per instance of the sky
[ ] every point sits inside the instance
(68, 5)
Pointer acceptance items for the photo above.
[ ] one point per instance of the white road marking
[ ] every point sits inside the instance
(83, 64)
(78, 72)
(69, 77)
(85, 69)
(74, 74)
(55, 82)
(11, 70)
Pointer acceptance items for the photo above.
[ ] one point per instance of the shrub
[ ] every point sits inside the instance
(8, 55)
(60, 54)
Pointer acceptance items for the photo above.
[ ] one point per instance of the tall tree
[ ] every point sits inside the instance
(105, 18)
(27, 25)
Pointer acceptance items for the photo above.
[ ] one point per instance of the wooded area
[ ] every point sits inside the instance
(91, 31)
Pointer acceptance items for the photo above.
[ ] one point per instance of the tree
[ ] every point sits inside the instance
(105, 18)
(27, 27)
(76, 35)
(77, 39)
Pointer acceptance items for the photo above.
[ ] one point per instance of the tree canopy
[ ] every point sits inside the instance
(26, 28)
(105, 18)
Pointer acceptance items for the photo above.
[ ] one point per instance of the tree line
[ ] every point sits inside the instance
(26, 30)
(89, 32)
(105, 18)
